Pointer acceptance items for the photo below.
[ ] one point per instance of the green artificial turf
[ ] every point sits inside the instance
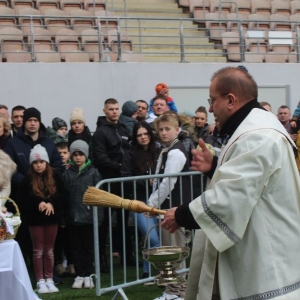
(139, 291)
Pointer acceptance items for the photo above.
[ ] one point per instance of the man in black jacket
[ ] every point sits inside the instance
(32, 132)
(110, 141)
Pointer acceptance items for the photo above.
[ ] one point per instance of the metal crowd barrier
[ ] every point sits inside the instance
(196, 180)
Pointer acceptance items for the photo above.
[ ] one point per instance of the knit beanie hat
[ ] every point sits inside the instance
(77, 114)
(161, 89)
(31, 112)
(38, 153)
(80, 146)
(58, 123)
(129, 108)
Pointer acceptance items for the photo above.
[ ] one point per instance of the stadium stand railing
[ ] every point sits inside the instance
(217, 31)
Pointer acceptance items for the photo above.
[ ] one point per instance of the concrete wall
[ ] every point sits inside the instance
(56, 89)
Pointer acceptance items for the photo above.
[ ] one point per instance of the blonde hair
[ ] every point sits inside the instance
(167, 117)
(6, 125)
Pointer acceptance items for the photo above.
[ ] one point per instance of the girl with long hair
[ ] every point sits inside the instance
(141, 160)
(41, 197)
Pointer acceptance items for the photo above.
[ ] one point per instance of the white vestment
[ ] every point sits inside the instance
(250, 214)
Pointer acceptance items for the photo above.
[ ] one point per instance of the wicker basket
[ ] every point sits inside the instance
(17, 214)
(2, 229)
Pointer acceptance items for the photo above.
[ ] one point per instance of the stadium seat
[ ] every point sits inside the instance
(231, 44)
(54, 24)
(241, 7)
(4, 3)
(13, 46)
(198, 9)
(280, 25)
(280, 7)
(79, 24)
(229, 37)
(67, 42)
(89, 5)
(280, 42)
(216, 5)
(126, 42)
(258, 22)
(255, 41)
(233, 25)
(24, 16)
(214, 26)
(261, 7)
(295, 7)
(5, 20)
(68, 5)
(90, 43)
(43, 46)
(17, 4)
(43, 5)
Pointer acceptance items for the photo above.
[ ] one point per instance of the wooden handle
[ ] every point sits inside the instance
(140, 207)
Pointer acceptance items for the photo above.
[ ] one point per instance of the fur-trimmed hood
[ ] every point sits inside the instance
(7, 169)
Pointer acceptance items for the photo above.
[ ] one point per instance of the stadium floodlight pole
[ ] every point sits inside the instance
(32, 41)
(100, 42)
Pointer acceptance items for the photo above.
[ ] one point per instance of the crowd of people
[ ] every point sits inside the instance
(56, 165)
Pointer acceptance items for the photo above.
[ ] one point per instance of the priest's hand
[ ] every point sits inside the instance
(169, 222)
(202, 160)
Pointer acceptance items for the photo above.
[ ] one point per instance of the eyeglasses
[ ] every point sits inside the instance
(211, 100)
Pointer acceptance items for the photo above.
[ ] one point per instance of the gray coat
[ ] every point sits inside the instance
(76, 183)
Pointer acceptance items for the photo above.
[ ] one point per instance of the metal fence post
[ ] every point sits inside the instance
(100, 42)
(182, 53)
(119, 59)
(32, 41)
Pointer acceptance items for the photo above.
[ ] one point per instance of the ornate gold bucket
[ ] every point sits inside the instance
(166, 259)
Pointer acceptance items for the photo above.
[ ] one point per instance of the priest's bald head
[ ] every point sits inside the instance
(230, 89)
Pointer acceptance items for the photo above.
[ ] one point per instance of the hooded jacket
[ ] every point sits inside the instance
(76, 182)
(19, 147)
(128, 109)
(55, 136)
(110, 140)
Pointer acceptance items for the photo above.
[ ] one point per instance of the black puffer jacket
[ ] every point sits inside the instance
(130, 168)
(19, 147)
(76, 183)
(29, 202)
(110, 141)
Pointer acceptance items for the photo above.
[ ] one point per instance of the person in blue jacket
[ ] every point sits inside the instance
(162, 89)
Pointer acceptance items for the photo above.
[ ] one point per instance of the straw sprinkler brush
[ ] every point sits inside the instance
(94, 196)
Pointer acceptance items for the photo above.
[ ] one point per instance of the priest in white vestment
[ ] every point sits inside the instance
(250, 212)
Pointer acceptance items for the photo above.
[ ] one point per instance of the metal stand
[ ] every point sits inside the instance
(121, 293)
